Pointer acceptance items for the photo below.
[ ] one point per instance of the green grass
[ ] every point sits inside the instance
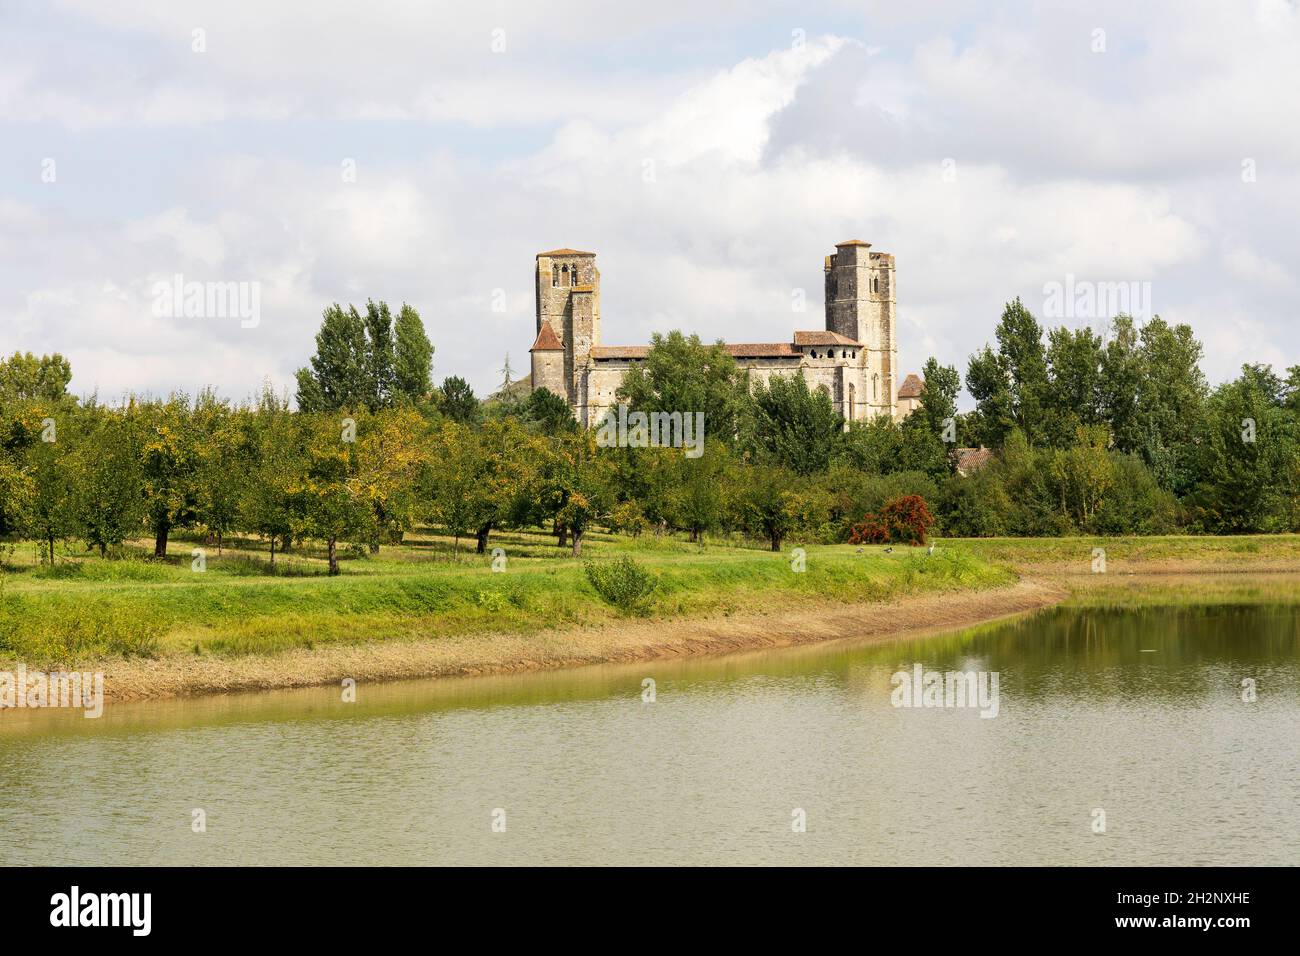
(1077, 552)
(85, 607)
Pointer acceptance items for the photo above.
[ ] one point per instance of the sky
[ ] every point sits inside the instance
(710, 153)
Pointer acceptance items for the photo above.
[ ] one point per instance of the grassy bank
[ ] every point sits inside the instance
(431, 607)
(87, 608)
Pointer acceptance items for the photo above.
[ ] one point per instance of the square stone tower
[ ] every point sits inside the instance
(568, 301)
(860, 306)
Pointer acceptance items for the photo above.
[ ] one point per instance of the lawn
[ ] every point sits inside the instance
(86, 607)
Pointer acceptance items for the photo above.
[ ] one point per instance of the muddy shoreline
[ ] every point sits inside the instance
(627, 642)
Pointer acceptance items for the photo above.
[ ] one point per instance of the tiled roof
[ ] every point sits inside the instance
(761, 349)
(565, 252)
(972, 459)
(912, 387)
(737, 350)
(547, 340)
(819, 337)
(620, 352)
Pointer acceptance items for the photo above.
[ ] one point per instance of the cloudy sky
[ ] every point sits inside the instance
(711, 153)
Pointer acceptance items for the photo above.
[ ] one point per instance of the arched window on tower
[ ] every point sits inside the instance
(852, 394)
(564, 274)
(555, 275)
(875, 388)
(875, 283)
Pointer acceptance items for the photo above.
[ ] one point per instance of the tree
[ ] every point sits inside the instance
(1120, 384)
(795, 426)
(579, 484)
(221, 462)
(765, 503)
(873, 446)
(457, 401)
(390, 456)
(1171, 402)
(454, 479)
(169, 465)
(272, 499)
(1074, 394)
(548, 412)
(1082, 476)
(1247, 464)
(681, 374)
(381, 376)
(49, 512)
(107, 481)
(987, 380)
(335, 505)
(24, 377)
(930, 433)
(699, 485)
(413, 358)
(337, 378)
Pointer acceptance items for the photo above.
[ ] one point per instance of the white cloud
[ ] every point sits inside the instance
(1123, 166)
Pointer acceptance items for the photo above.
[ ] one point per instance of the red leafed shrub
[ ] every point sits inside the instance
(905, 520)
(870, 530)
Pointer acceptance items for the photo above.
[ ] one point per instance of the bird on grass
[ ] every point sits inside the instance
(889, 551)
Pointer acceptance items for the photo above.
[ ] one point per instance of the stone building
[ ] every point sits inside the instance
(855, 358)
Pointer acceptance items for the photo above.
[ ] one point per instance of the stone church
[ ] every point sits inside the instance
(855, 358)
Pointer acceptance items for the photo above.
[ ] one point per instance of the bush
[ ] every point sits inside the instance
(905, 520)
(622, 583)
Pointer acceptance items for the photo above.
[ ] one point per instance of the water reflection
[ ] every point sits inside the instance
(1135, 711)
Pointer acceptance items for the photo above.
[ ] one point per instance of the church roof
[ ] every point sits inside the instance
(565, 252)
(547, 341)
(620, 351)
(737, 350)
(820, 337)
(912, 387)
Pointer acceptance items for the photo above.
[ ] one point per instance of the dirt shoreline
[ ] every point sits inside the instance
(628, 642)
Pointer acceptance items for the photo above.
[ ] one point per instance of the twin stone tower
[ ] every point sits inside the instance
(855, 358)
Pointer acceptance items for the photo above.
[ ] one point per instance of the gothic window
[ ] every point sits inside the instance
(852, 392)
(875, 387)
(555, 275)
(564, 273)
(875, 283)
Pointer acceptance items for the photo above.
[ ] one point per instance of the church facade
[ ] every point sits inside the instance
(854, 358)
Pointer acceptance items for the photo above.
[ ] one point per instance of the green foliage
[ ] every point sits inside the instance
(681, 374)
(547, 412)
(412, 358)
(622, 583)
(457, 402)
(25, 377)
(794, 426)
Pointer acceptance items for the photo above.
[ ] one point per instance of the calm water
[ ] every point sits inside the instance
(1139, 714)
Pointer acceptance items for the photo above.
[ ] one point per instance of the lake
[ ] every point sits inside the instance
(1120, 737)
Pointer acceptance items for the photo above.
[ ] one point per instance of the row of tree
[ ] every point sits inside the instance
(1116, 435)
